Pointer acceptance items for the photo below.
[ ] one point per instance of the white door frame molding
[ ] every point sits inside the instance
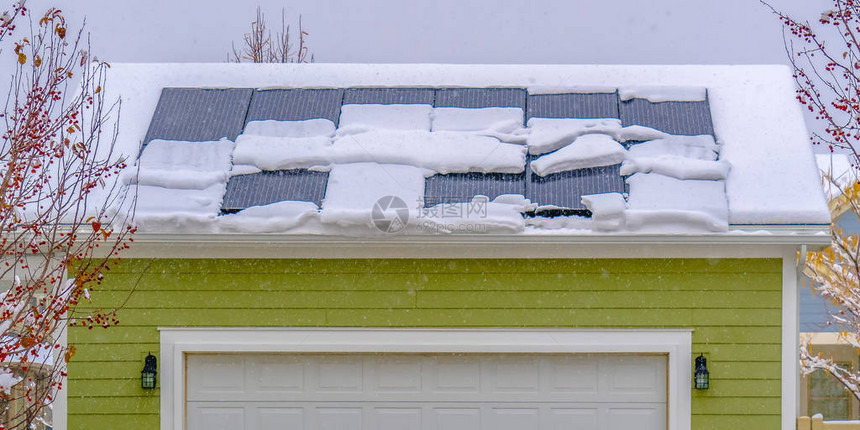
(177, 342)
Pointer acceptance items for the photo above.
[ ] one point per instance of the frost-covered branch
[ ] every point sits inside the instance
(58, 179)
(825, 56)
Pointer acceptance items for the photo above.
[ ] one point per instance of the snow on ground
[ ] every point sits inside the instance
(590, 150)
(772, 179)
(305, 128)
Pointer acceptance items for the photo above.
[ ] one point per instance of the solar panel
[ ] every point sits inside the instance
(573, 105)
(269, 187)
(462, 187)
(481, 97)
(199, 115)
(295, 104)
(564, 190)
(684, 118)
(387, 96)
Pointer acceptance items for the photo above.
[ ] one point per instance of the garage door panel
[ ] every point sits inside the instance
(415, 377)
(426, 391)
(231, 375)
(514, 418)
(397, 374)
(424, 416)
(572, 418)
(217, 418)
(273, 374)
(278, 419)
(337, 418)
(340, 374)
(456, 418)
(455, 374)
(384, 418)
(643, 417)
(513, 374)
(628, 375)
(571, 374)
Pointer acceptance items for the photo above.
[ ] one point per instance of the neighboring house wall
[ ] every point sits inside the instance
(814, 317)
(815, 310)
(732, 305)
(820, 392)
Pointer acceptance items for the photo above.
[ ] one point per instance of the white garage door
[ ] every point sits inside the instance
(426, 391)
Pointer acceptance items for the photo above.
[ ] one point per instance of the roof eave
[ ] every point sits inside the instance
(740, 242)
(810, 234)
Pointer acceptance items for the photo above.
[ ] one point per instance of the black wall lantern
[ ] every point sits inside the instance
(701, 378)
(149, 372)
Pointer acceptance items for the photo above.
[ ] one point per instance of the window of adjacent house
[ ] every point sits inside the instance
(14, 407)
(828, 397)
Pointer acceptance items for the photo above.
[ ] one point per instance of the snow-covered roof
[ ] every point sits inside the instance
(407, 148)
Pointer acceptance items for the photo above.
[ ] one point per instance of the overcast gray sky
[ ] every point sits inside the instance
(449, 31)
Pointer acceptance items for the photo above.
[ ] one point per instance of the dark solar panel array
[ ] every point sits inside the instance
(269, 187)
(192, 114)
(295, 104)
(462, 187)
(595, 105)
(565, 189)
(682, 118)
(481, 97)
(388, 96)
(199, 115)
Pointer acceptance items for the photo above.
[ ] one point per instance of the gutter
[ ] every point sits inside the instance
(740, 242)
(813, 235)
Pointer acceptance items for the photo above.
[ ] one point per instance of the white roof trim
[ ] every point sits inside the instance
(262, 246)
(812, 235)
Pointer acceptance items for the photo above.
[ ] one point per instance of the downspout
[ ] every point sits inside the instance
(801, 263)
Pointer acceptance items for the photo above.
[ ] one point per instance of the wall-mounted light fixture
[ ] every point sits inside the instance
(701, 377)
(148, 375)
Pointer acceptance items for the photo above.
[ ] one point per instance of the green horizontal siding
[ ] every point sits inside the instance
(733, 305)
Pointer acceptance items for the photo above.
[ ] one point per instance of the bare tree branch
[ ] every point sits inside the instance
(259, 46)
(58, 188)
(827, 75)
